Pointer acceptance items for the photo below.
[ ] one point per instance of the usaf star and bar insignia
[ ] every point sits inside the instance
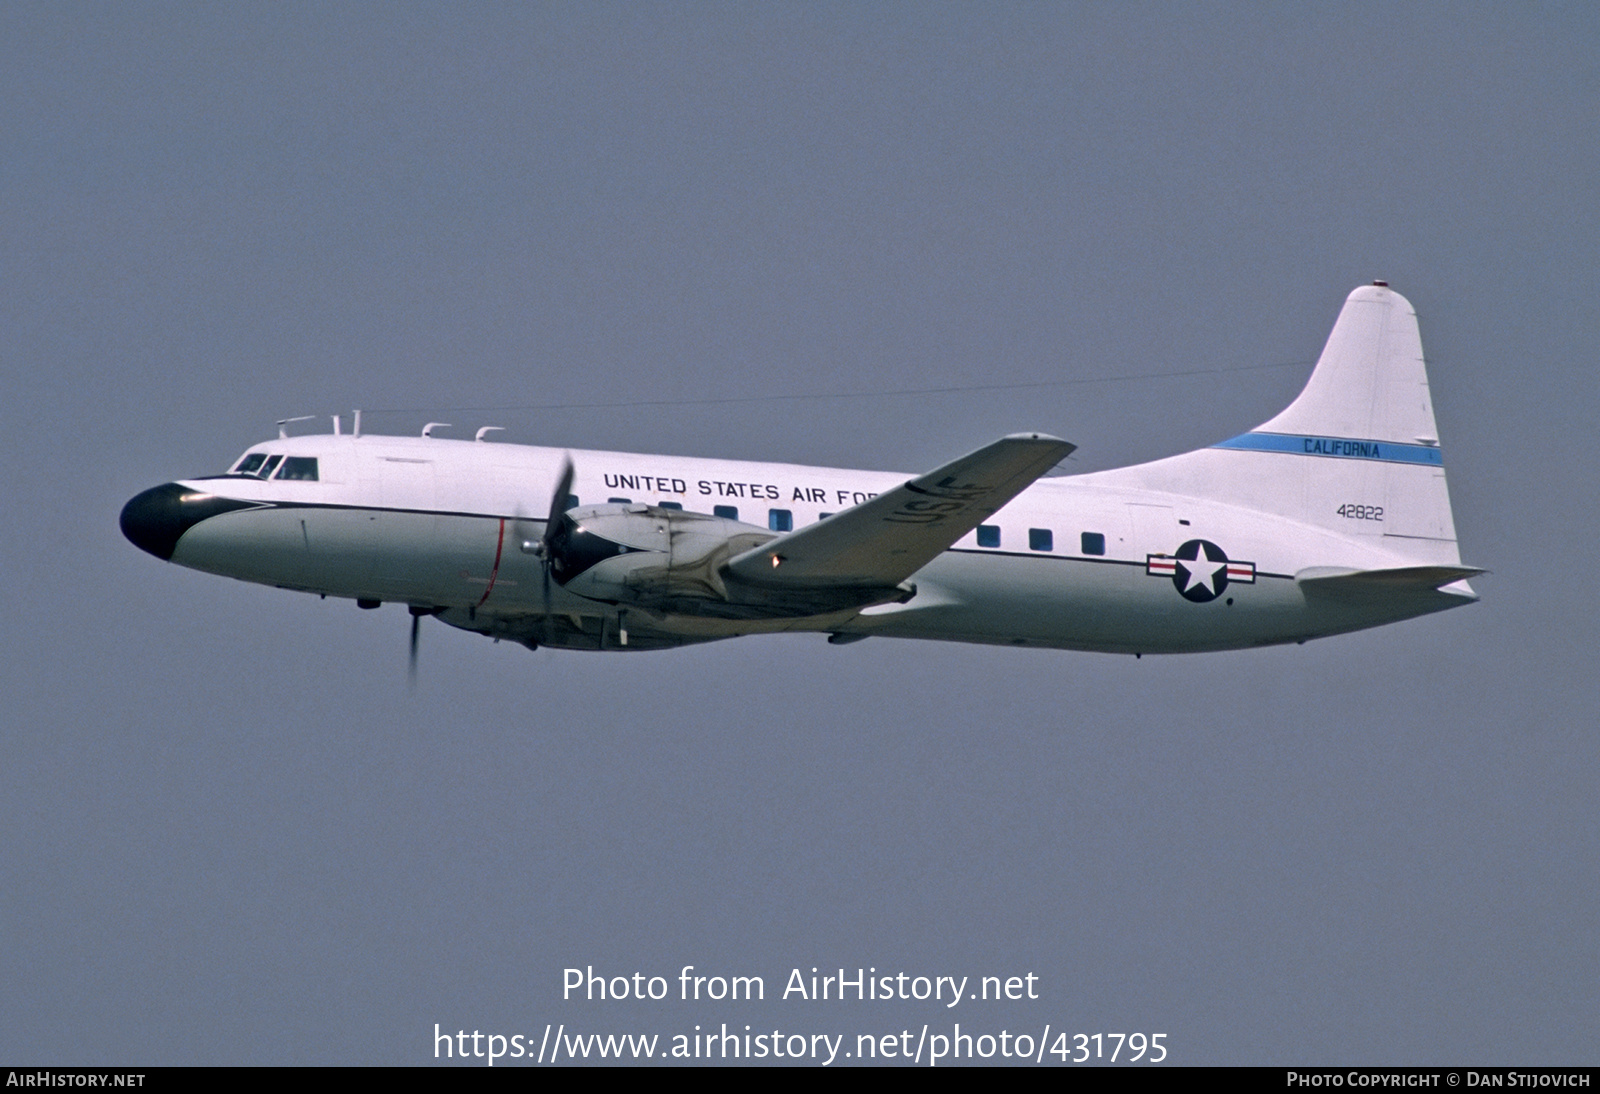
(1200, 570)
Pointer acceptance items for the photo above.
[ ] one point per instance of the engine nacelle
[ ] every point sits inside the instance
(668, 561)
(660, 558)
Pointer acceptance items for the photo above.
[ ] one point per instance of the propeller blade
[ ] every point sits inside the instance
(548, 625)
(558, 506)
(558, 501)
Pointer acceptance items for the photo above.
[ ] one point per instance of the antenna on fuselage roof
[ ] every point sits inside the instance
(487, 430)
(283, 424)
(427, 430)
(356, 429)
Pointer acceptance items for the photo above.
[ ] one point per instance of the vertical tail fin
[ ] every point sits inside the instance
(1357, 451)
(1370, 383)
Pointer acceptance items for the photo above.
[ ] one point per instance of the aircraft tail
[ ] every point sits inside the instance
(1357, 451)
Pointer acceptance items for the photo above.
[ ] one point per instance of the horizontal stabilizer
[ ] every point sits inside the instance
(886, 539)
(1399, 581)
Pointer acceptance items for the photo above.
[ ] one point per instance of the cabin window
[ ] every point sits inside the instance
(731, 512)
(780, 520)
(988, 535)
(619, 501)
(672, 505)
(250, 464)
(1041, 539)
(1094, 543)
(299, 468)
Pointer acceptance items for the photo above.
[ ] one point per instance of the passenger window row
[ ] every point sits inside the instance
(778, 520)
(782, 520)
(1043, 539)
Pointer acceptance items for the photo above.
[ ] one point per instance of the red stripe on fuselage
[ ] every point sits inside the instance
(499, 544)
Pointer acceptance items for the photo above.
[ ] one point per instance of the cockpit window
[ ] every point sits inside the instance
(250, 464)
(270, 466)
(302, 468)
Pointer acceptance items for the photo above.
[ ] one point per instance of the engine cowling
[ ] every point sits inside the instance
(671, 561)
(646, 555)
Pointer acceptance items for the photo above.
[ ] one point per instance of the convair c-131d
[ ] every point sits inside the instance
(1331, 517)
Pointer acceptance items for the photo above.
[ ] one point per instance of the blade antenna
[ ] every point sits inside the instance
(416, 629)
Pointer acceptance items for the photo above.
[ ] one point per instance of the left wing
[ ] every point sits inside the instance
(886, 539)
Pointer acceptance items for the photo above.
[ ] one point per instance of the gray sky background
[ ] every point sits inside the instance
(233, 835)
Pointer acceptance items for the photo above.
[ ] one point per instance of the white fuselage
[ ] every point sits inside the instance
(1071, 563)
(1332, 516)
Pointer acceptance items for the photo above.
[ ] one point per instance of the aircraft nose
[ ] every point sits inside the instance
(156, 519)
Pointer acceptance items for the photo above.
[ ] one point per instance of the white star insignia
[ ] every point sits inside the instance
(1202, 571)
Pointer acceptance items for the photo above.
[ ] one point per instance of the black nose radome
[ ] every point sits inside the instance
(155, 520)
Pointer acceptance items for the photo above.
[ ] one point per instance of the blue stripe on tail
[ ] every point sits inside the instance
(1337, 447)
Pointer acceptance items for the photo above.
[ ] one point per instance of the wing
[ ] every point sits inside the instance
(886, 539)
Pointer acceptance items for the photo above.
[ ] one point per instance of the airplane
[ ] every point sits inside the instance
(1333, 516)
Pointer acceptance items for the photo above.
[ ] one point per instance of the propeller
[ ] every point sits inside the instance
(558, 506)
